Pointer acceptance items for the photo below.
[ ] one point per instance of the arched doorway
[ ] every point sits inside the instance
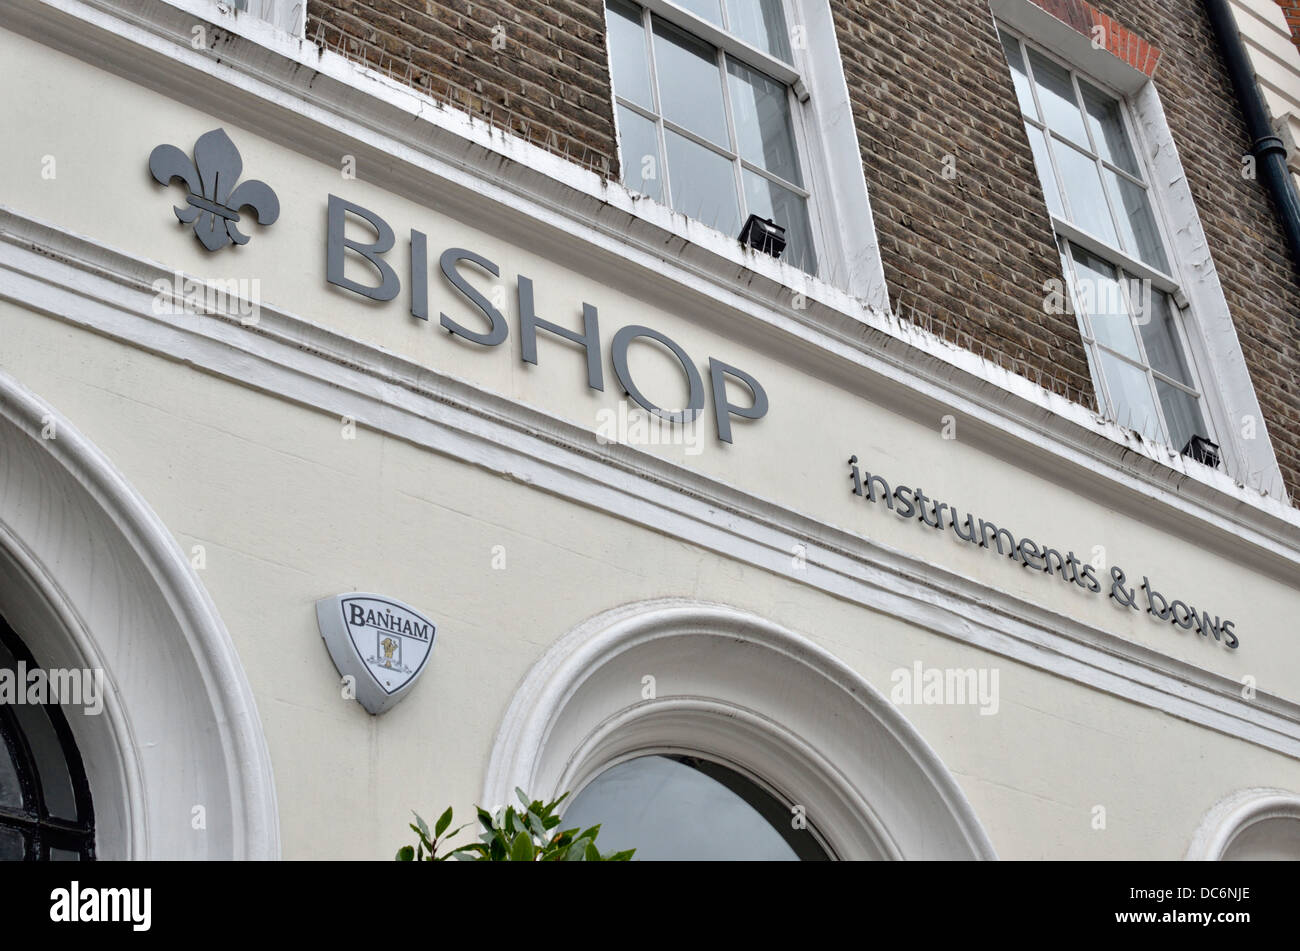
(1259, 824)
(175, 760)
(679, 679)
(46, 812)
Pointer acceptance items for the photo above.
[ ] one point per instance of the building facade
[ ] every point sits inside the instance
(794, 429)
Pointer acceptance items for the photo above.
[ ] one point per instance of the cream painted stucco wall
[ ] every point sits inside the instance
(288, 512)
(795, 456)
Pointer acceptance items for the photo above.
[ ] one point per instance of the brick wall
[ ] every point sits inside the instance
(967, 255)
(539, 70)
(1292, 10)
(928, 79)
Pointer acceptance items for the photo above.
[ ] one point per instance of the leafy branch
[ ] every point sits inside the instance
(510, 835)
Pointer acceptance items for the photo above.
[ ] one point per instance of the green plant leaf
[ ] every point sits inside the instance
(511, 834)
(423, 827)
(444, 820)
(521, 850)
(536, 827)
(457, 831)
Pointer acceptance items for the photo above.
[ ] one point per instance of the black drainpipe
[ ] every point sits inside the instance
(1268, 149)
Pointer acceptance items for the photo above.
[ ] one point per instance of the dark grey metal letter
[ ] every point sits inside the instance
(448, 264)
(695, 403)
(419, 275)
(589, 339)
(336, 243)
(718, 373)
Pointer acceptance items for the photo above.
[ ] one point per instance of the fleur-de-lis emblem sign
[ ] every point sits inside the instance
(214, 201)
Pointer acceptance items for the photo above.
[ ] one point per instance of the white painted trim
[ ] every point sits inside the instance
(757, 697)
(37, 607)
(314, 101)
(110, 294)
(287, 16)
(1216, 349)
(1233, 815)
(1046, 30)
(847, 229)
(180, 727)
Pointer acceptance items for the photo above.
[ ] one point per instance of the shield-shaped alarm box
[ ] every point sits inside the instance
(382, 644)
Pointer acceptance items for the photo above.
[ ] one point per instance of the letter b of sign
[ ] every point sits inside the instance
(214, 200)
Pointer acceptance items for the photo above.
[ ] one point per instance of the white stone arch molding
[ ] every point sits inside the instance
(1256, 823)
(741, 690)
(91, 578)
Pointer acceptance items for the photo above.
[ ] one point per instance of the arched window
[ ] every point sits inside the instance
(45, 811)
(745, 731)
(1256, 824)
(679, 807)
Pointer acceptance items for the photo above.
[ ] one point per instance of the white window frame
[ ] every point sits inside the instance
(290, 16)
(829, 156)
(1171, 281)
(1232, 406)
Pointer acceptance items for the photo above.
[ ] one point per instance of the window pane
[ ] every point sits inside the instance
(627, 53)
(1018, 76)
(669, 808)
(1083, 190)
(704, 184)
(1137, 223)
(1056, 94)
(64, 855)
(12, 845)
(11, 794)
(760, 23)
(690, 84)
(1160, 337)
(769, 200)
(51, 762)
(1044, 165)
(710, 10)
(1099, 295)
(639, 154)
(1182, 413)
(761, 108)
(1130, 395)
(1108, 128)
